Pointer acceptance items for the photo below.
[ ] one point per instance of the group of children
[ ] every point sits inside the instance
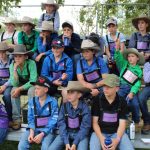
(53, 63)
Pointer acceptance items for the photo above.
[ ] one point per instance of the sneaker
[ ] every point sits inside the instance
(146, 129)
(16, 125)
(10, 124)
(137, 127)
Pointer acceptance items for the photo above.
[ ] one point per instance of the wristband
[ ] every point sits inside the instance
(15, 69)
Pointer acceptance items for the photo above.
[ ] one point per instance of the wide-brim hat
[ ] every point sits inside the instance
(75, 86)
(4, 47)
(88, 44)
(134, 51)
(20, 49)
(47, 26)
(26, 19)
(9, 20)
(142, 17)
(50, 2)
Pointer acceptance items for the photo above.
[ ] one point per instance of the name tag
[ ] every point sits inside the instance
(92, 76)
(108, 117)
(142, 45)
(73, 123)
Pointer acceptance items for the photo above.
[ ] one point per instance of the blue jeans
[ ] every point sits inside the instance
(16, 104)
(58, 143)
(133, 104)
(7, 101)
(124, 144)
(25, 145)
(143, 98)
(3, 133)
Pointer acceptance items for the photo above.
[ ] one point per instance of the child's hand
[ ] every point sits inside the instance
(15, 92)
(38, 138)
(57, 82)
(68, 147)
(2, 88)
(130, 96)
(31, 136)
(117, 43)
(73, 147)
(64, 76)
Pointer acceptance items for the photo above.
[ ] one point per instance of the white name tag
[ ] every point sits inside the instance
(129, 76)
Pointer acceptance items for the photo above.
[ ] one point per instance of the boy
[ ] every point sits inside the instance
(109, 113)
(22, 72)
(51, 14)
(74, 120)
(130, 77)
(42, 117)
(140, 39)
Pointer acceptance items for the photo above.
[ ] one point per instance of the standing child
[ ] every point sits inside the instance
(42, 117)
(51, 14)
(74, 120)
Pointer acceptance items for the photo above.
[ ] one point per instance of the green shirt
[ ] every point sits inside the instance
(123, 64)
(29, 40)
(29, 72)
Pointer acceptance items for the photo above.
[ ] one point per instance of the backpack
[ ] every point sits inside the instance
(4, 121)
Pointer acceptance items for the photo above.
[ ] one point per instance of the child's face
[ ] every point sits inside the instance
(10, 27)
(112, 28)
(40, 90)
(49, 8)
(67, 31)
(142, 25)
(20, 59)
(73, 96)
(57, 51)
(109, 91)
(133, 59)
(3, 55)
(26, 27)
(88, 54)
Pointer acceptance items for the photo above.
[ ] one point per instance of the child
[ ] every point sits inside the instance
(109, 113)
(58, 67)
(42, 117)
(74, 120)
(10, 35)
(110, 40)
(5, 84)
(44, 42)
(22, 72)
(140, 39)
(91, 69)
(130, 77)
(51, 14)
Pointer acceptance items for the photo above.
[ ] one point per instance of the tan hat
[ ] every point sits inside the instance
(88, 44)
(47, 26)
(4, 47)
(111, 80)
(134, 51)
(75, 86)
(10, 20)
(142, 17)
(50, 2)
(20, 49)
(111, 21)
(26, 19)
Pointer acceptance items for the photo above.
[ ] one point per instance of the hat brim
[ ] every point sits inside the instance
(43, 5)
(134, 51)
(9, 50)
(20, 53)
(37, 83)
(135, 22)
(92, 48)
(24, 22)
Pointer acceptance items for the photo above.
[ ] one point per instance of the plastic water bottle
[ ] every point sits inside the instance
(108, 141)
(132, 131)
(66, 41)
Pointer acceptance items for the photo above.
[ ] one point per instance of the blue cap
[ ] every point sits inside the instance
(57, 43)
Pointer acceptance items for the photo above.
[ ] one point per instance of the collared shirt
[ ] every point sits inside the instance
(93, 66)
(45, 48)
(122, 65)
(140, 38)
(24, 74)
(146, 72)
(59, 66)
(47, 17)
(43, 111)
(29, 40)
(121, 37)
(107, 107)
(6, 65)
(85, 123)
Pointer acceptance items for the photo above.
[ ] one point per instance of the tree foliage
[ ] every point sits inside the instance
(123, 13)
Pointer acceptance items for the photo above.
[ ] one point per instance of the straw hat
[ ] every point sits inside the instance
(26, 19)
(10, 20)
(142, 17)
(47, 26)
(134, 51)
(4, 47)
(50, 2)
(21, 50)
(75, 86)
(88, 44)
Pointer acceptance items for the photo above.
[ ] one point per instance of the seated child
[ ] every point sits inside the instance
(42, 117)
(74, 120)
